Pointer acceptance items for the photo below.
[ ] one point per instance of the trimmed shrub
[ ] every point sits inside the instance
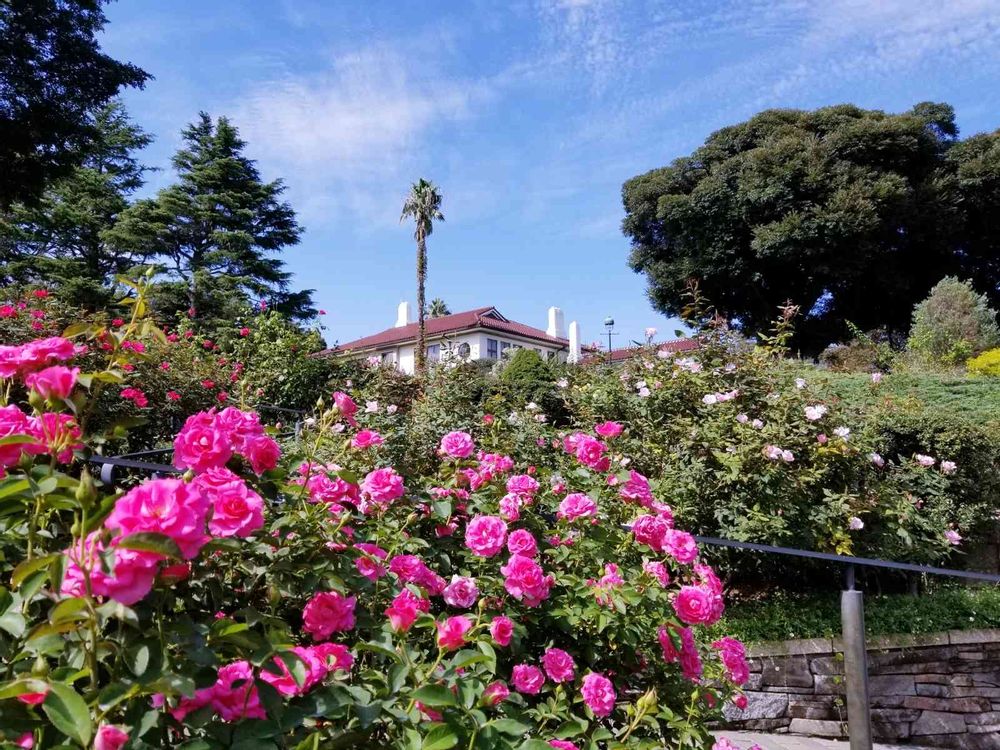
(953, 323)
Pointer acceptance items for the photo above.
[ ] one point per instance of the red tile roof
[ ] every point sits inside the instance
(621, 355)
(482, 317)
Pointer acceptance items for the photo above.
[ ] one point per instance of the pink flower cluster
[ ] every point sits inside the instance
(686, 653)
(36, 355)
(525, 580)
(55, 434)
(209, 439)
(588, 450)
(733, 655)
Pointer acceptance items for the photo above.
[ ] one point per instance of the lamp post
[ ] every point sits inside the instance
(609, 323)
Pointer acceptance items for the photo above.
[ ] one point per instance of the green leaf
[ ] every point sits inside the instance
(68, 610)
(148, 541)
(20, 687)
(67, 711)
(28, 567)
(510, 726)
(440, 737)
(434, 695)
(13, 486)
(572, 727)
(378, 648)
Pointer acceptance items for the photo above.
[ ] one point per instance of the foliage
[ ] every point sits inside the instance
(218, 220)
(527, 378)
(59, 242)
(851, 214)
(423, 205)
(783, 616)
(953, 323)
(865, 352)
(438, 308)
(54, 80)
(261, 601)
(987, 363)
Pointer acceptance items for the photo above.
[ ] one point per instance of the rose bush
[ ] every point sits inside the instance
(312, 595)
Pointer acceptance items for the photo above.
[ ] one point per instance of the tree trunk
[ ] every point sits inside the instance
(421, 349)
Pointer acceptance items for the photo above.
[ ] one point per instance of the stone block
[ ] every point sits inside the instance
(944, 679)
(886, 701)
(937, 723)
(827, 665)
(818, 728)
(788, 671)
(974, 636)
(892, 685)
(983, 719)
(812, 711)
(754, 682)
(759, 706)
(889, 730)
(949, 705)
(911, 656)
(971, 656)
(766, 725)
(986, 679)
(828, 685)
(907, 640)
(938, 667)
(895, 715)
(791, 648)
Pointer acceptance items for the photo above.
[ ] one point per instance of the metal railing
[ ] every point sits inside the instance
(852, 621)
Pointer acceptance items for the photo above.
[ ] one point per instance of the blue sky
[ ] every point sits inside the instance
(529, 114)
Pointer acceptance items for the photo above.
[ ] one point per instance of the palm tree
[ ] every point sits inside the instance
(438, 308)
(423, 205)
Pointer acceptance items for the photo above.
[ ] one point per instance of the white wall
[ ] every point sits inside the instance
(404, 358)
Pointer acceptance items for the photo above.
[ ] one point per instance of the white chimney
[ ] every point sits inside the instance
(403, 315)
(557, 326)
(574, 343)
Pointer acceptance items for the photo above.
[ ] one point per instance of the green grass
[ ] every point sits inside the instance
(784, 616)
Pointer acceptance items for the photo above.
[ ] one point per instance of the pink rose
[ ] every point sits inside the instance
(451, 632)
(502, 630)
(485, 535)
(59, 435)
(733, 655)
(109, 737)
(510, 506)
(590, 452)
(576, 505)
(681, 546)
(53, 382)
(382, 486)
(636, 489)
(527, 679)
(131, 579)
(523, 485)
(598, 693)
(13, 422)
(326, 613)
(366, 439)
(201, 444)
(525, 580)
(608, 429)
(658, 570)
(651, 530)
(236, 509)
(521, 542)
(461, 592)
(457, 445)
(562, 745)
(164, 506)
(346, 406)
(368, 563)
(234, 695)
(693, 604)
(262, 452)
(495, 693)
(559, 665)
(404, 610)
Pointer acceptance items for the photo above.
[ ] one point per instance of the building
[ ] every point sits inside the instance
(483, 333)
(620, 356)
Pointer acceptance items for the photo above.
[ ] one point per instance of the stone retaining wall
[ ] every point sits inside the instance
(936, 690)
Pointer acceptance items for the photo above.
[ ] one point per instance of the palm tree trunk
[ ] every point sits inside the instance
(421, 352)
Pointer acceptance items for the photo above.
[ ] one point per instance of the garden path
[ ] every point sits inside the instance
(744, 740)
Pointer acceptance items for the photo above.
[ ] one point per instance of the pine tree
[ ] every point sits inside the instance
(59, 241)
(219, 220)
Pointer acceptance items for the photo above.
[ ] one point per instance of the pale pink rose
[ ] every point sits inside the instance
(598, 693)
(521, 542)
(382, 486)
(608, 429)
(527, 679)
(855, 523)
(953, 537)
(485, 535)
(164, 506)
(576, 505)
(346, 406)
(876, 377)
(109, 737)
(559, 665)
(53, 382)
(236, 509)
(815, 412)
(495, 693)
(451, 632)
(366, 439)
(925, 461)
(694, 605)
(525, 580)
(502, 630)
(404, 610)
(457, 445)
(948, 467)
(876, 460)
(326, 613)
(462, 592)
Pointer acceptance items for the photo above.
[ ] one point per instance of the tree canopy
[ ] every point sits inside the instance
(218, 229)
(54, 79)
(852, 214)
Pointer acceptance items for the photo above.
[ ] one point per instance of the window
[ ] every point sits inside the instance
(434, 352)
(387, 357)
(464, 350)
(491, 348)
